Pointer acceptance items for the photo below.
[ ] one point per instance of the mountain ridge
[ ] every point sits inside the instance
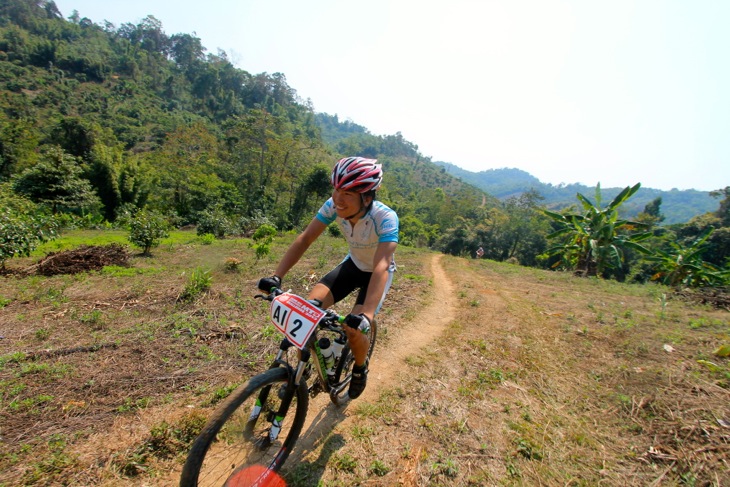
(678, 206)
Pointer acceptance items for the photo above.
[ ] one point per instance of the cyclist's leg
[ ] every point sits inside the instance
(335, 285)
(359, 341)
(323, 294)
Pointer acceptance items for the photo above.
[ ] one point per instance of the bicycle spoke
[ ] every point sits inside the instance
(238, 441)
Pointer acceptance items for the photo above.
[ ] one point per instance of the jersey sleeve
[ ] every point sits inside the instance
(388, 227)
(327, 213)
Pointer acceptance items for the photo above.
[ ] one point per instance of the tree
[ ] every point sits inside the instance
(186, 50)
(717, 247)
(522, 235)
(652, 214)
(315, 185)
(456, 240)
(723, 212)
(415, 233)
(185, 167)
(594, 241)
(18, 142)
(117, 178)
(56, 181)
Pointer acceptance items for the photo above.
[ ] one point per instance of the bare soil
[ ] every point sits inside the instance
(484, 374)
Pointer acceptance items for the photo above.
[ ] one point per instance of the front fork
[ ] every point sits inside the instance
(286, 393)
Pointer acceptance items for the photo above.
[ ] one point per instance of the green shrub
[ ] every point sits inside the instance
(198, 284)
(263, 236)
(22, 227)
(214, 221)
(334, 230)
(147, 229)
(207, 239)
(249, 224)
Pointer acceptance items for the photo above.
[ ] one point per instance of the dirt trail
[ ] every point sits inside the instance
(409, 339)
(385, 364)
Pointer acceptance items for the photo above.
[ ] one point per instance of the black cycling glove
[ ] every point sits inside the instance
(358, 322)
(269, 283)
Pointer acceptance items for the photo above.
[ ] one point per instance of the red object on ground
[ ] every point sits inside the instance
(255, 476)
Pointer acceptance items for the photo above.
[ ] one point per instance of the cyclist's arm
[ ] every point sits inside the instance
(299, 246)
(376, 287)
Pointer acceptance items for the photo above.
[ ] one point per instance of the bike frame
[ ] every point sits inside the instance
(312, 351)
(297, 371)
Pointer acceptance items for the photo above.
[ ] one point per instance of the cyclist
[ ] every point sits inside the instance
(371, 231)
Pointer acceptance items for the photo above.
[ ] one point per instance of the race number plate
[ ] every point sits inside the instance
(295, 318)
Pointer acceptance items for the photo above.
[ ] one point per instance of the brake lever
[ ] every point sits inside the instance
(269, 297)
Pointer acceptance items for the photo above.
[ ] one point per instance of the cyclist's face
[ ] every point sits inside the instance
(347, 203)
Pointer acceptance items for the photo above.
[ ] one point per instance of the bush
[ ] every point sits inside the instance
(334, 230)
(248, 224)
(147, 229)
(22, 228)
(198, 284)
(207, 239)
(263, 236)
(215, 222)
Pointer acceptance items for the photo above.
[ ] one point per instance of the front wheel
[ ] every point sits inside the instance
(236, 446)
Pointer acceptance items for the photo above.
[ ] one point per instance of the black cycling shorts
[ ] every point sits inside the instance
(344, 279)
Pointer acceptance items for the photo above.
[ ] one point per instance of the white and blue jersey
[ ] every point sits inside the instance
(379, 224)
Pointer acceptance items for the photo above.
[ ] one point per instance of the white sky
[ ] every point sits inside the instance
(571, 91)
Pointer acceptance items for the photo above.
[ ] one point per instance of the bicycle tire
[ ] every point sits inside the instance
(347, 360)
(231, 445)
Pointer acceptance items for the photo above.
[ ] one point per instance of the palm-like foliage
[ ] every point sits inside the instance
(684, 266)
(594, 241)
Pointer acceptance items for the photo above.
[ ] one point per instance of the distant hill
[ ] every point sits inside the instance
(677, 206)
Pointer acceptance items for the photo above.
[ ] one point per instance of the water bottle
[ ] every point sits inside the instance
(337, 347)
(325, 346)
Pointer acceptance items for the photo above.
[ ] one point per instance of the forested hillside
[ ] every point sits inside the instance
(678, 206)
(102, 124)
(152, 120)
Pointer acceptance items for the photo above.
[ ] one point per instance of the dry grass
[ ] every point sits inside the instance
(544, 379)
(547, 379)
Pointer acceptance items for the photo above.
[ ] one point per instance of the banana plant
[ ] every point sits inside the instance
(595, 240)
(684, 267)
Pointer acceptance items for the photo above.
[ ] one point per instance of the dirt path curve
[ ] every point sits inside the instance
(406, 340)
(419, 333)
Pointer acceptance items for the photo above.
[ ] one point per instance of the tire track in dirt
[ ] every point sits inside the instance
(385, 365)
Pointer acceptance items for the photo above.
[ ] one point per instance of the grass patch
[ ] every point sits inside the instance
(119, 271)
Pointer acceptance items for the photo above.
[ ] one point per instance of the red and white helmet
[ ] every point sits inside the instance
(357, 174)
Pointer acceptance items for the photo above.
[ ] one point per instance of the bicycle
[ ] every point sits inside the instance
(251, 434)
